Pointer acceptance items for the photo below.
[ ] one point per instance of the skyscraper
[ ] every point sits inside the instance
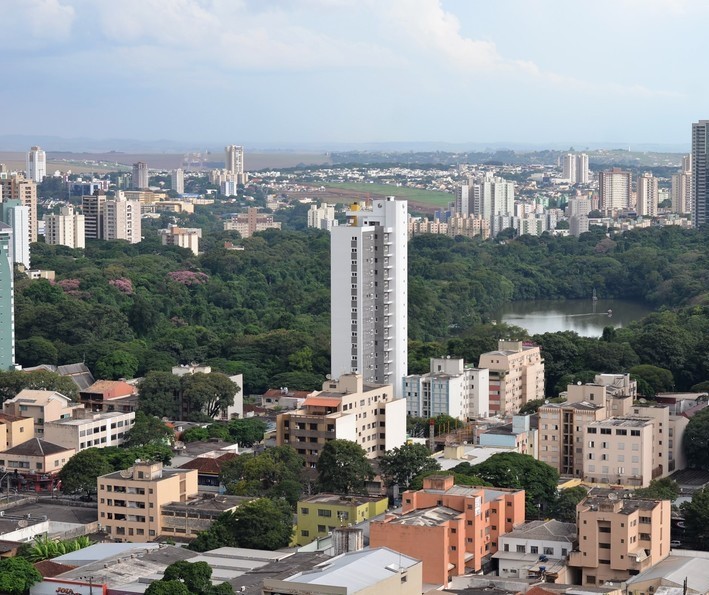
(140, 176)
(17, 216)
(121, 219)
(681, 193)
(7, 300)
(369, 300)
(575, 168)
(234, 159)
(66, 228)
(17, 187)
(93, 209)
(614, 188)
(700, 172)
(462, 202)
(178, 181)
(582, 175)
(647, 195)
(36, 164)
(493, 200)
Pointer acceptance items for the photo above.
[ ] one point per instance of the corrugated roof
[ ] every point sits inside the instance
(322, 402)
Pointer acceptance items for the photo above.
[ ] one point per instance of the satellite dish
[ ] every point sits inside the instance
(22, 523)
(126, 473)
(578, 383)
(612, 496)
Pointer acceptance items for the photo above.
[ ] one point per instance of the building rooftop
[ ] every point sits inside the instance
(7, 418)
(37, 397)
(427, 517)
(164, 475)
(338, 499)
(550, 530)
(111, 389)
(624, 422)
(206, 503)
(50, 568)
(580, 406)
(36, 447)
(694, 566)
(598, 501)
(280, 568)
(209, 465)
(80, 421)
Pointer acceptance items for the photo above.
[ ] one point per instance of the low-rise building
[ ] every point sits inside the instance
(209, 467)
(516, 372)
(283, 398)
(521, 435)
(42, 406)
(452, 529)
(183, 237)
(619, 537)
(37, 460)
(250, 222)
(346, 408)
(87, 429)
(682, 572)
(449, 388)
(15, 430)
(110, 395)
(320, 514)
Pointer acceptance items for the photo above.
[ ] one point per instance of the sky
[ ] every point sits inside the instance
(301, 72)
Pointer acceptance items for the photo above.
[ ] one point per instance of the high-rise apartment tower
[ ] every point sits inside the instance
(700, 172)
(140, 176)
(36, 164)
(7, 300)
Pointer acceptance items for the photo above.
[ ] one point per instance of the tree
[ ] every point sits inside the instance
(660, 489)
(246, 432)
(208, 393)
(17, 575)
(564, 508)
(162, 587)
(36, 351)
(159, 394)
(696, 440)
(14, 381)
(148, 429)
(400, 465)
(343, 467)
(696, 520)
(80, 472)
(658, 379)
(116, 365)
(195, 576)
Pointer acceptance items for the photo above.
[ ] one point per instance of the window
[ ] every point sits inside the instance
(533, 549)
(304, 511)
(305, 533)
(321, 528)
(521, 549)
(548, 551)
(324, 512)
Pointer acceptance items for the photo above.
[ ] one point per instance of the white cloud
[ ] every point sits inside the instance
(29, 24)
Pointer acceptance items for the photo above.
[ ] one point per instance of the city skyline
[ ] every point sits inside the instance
(346, 71)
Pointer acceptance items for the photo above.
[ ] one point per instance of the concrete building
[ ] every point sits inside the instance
(450, 388)
(682, 572)
(493, 200)
(36, 164)
(619, 537)
(130, 502)
(177, 179)
(65, 229)
(365, 572)
(17, 216)
(322, 216)
(234, 162)
(7, 299)
(368, 282)
(121, 219)
(347, 408)
(247, 224)
(700, 172)
(109, 395)
(86, 429)
(16, 187)
(41, 405)
(615, 190)
(139, 180)
(92, 206)
(453, 529)
(516, 372)
(461, 204)
(575, 168)
(468, 226)
(184, 237)
(36, 457)
(647, 195)
(548, 544)
(578, 224)
(15, 430)
(321, 514)
(681, 190)
(522, 436)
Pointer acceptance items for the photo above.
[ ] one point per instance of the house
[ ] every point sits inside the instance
(36, 462)
(110, 395)
(42, 406)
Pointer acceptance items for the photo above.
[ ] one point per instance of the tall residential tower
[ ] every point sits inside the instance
(369, 300)
(7, 298)
(700, 172)
(36, 164)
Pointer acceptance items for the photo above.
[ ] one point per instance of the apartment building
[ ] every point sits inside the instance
(516, 373)
(110, 395)
(130, 501)
(36, 457)
(619, 537)
(247, 224)
(121, 219)
(322, 216)
(65, 228)
(615, 190)
(86, 429)
(346, 408)
(15, 430)
(453, 529)
(184, 237)
(16, 187)
(7, 299)
(321, 514)
(449, 388)
(41, 405)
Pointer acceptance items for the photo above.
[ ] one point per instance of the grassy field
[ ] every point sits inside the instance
(428, 197)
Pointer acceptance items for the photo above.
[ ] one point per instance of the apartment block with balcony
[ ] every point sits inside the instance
(453, 529)
(320, 514)
(130, 502)
(619, 537)
(86, 429)
(41, 405)
(346, 408)
(516, 376)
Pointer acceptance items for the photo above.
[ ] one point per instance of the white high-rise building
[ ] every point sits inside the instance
(7, 299)
(178, 181)
(493, 199)
(368, 268)
(462, 200)
(582, 175)
(647, 195)
(121, 219)
(234, 163)
(66, 228)
(575, 168)
(614, 189)
(17, 216)
(140, 177)
(322, 217)
(36, 164)
(681, 193)
(700, 172)
(568, 167)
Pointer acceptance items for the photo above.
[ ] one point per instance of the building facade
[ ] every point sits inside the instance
(368, 282)
(247, 224)
(15, 430)
(41, 405)
(36, 164)
(177, 179)
(647, 195)
(322, 216)
(516, 373)
(139, 180)
(7, 299)
(615, 190)
(86, 429)
(700, 172)
(17, 216)
(65, 228)
(16, 187)
(347, 408)
(92, 206)
(184, 237)
(121, 219)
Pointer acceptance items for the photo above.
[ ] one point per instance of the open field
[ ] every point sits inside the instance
(417, 196)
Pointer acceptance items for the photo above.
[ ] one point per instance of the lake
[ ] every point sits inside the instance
(585, 317)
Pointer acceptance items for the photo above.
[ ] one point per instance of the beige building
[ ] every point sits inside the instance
(121, 219)
(349, 409)
(15, 430)
(66, 228)
(130, 502)
(36, 457)
(16, 187)
(619, 537)
(250, 222)
(41, 405)
(516, 376)
(184, 237)
(86, 429)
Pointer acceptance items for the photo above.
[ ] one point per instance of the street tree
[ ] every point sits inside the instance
(80, 472)
(696, 520)
(160, 394)
(172, 587)
(148, 429)
(400, 465)
(208, 393)
(17, 575)
(343, 467)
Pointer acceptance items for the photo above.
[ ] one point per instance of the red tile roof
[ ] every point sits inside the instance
(209, 465)
(49, 569)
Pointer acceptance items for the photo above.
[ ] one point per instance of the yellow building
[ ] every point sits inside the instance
(320, 514)
(15, 430)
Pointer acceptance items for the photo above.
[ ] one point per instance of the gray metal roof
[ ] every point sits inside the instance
(694, 566)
